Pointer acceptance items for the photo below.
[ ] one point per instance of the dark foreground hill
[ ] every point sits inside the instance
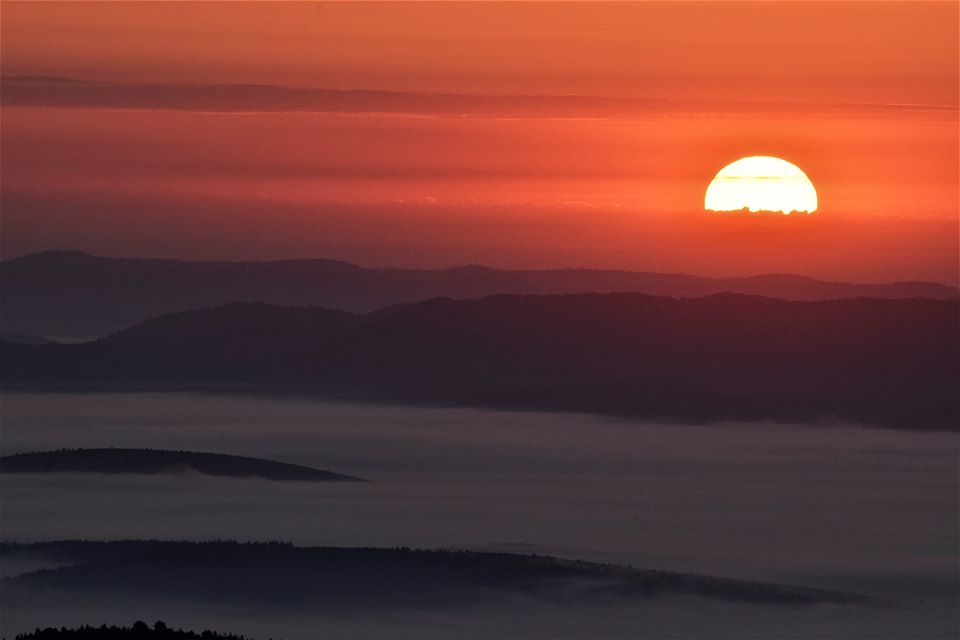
(152, 461)
(68, 294)
(888, 362)
(282, 575)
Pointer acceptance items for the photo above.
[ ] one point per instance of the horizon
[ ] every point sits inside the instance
(470, 265)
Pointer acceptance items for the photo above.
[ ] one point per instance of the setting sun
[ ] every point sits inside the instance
(761, 183)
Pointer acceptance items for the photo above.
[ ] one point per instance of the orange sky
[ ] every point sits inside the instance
(601, 127)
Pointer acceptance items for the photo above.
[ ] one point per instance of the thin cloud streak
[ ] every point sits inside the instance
(246, 98)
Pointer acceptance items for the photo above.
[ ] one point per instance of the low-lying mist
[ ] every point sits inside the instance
(826, 505)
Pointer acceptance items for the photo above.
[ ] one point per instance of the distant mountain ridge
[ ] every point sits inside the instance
(74, 295)
(720, 357)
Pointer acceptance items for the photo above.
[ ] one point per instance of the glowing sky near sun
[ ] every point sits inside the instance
(523, 134)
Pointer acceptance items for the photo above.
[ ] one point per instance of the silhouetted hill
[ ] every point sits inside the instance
(892, 362)
(138, 631)
(71, 295)
(159, 461)
(282, 575)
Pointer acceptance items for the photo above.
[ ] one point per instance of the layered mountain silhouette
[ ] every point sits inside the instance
(153, 461)
(282, 575)
(720, 357)
(73, 295)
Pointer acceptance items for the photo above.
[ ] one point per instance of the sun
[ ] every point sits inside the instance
(761, 183)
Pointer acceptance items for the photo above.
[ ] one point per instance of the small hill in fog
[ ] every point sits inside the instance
(153, 461)
(282, 575)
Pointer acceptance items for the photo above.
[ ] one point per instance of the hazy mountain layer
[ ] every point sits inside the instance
(892, 362)
(67, 294)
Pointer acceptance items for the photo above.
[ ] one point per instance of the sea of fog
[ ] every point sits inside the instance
(835, 506)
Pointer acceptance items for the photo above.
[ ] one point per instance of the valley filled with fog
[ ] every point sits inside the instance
(831, 506)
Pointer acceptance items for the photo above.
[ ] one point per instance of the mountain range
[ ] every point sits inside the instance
(719, 357)
(69, 295)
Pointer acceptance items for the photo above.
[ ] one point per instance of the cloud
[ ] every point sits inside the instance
(254, 98)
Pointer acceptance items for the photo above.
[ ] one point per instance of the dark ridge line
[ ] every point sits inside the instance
(471, 267)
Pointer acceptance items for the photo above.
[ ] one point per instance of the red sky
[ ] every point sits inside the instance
(526, 135)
